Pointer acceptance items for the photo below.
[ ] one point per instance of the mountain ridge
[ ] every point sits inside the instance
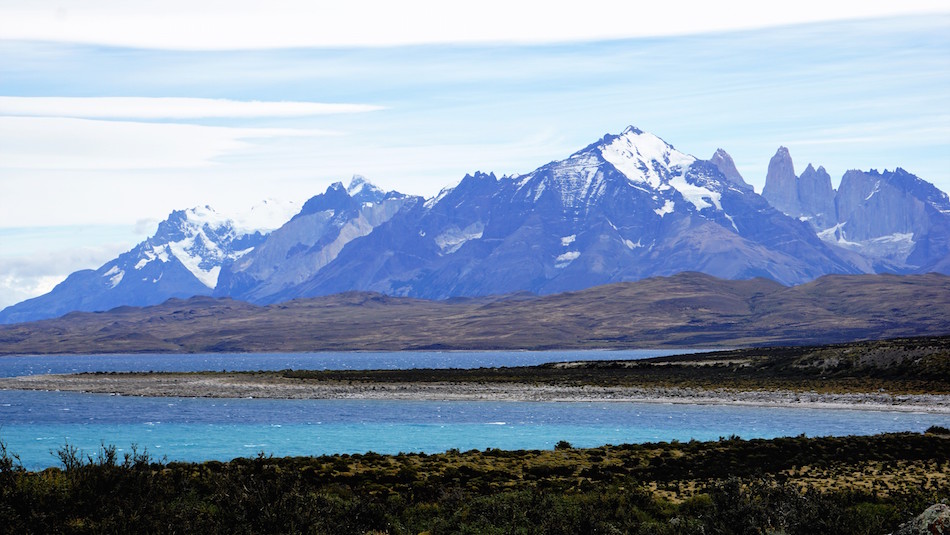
(626, 207)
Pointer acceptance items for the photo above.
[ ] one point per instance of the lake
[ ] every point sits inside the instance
(36, 424)
(13, 366)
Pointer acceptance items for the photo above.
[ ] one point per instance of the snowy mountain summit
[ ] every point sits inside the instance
(200, 240)
(182, 259)
(626, 207)
(648, 164)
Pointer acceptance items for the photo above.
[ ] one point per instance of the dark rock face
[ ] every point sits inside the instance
(894, 216)
(809, 197)
(871, 205)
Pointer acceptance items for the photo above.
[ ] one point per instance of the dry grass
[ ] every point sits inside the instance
(685, 310)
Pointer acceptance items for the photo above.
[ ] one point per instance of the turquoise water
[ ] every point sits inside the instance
(34, 425)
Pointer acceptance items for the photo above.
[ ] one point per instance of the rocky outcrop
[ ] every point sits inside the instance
(934, 521)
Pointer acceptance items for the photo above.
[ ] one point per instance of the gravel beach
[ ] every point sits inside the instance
(273, 387)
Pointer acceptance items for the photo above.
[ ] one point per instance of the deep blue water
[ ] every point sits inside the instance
(33, 365)
(36, 424)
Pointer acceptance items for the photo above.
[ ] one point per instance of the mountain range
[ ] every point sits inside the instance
(895, 221)
(624, 208)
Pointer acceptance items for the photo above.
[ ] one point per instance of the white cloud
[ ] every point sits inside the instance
(167, 108)
(14, 289)
(245, 24)
(23, 276)
(67, 143)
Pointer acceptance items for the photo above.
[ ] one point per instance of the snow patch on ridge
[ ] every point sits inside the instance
(698, 196)
(579, 180)
(114, 275)
(896, 246)
(435, 200)
(190, 257)
(453, 238)
(667, 208)
(836, 235)
(566, 258)
(160, 253)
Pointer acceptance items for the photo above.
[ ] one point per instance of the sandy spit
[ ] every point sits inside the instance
(249, 386)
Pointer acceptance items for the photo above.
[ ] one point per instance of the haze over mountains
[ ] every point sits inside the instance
(624, 208)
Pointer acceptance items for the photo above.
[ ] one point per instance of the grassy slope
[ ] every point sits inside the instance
(686, 310)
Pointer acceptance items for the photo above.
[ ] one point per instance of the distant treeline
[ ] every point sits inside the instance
(845, 485)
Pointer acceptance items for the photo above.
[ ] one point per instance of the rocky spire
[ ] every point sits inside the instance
(781, 184)
(816, 197)
(727, 167)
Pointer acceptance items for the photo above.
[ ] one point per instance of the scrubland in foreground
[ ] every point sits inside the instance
(843, 485)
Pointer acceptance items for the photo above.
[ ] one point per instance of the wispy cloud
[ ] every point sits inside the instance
(29, 266)
(244, 24)
(66, 143)
(256, 123)
(168, 108)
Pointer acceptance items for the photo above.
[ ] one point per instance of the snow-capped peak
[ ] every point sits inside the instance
(638, 155)
(364, 191)
(646, 159)
(206, 215)
(202, 239)
(357, 184)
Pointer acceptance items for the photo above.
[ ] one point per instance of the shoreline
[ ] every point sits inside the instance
(242, 386)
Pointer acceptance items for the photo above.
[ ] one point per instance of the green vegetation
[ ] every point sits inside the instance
(791, 485)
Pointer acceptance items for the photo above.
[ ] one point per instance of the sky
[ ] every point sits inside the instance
(115, 113)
